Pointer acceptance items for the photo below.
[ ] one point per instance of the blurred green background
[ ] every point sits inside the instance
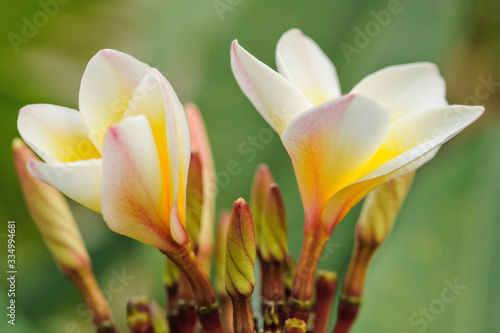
(446, 230)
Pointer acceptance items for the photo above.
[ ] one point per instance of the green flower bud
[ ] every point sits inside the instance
(51, 213)
(240, 252)
(260, 185)
(272, 240)
(194, 200)
(380, 210)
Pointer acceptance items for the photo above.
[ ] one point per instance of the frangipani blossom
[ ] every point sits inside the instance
(342, 147)
(125, 154)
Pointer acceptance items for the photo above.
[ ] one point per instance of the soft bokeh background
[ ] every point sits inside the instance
(447, 229)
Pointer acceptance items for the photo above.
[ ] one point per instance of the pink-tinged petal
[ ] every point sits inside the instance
(201, 144)
(405, 88)
(80, 180)
(300, 60)
(276, 99)
(56, 133)
(418, 133)
(178, 142)
(342, 202)
(155, 98)
(148, 100)
(133, 196)
(330, 144)
(107, 85)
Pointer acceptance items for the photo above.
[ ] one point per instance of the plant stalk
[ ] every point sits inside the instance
(242, 315)
(84, 280)
(303, 283)
(207, 309)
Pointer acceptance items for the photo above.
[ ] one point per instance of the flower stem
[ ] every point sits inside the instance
(356, 274)
(352, 290)
(273, 294)
(204, 296)
(227, 312)
(242, 315)
(172, 310)
(303, 283)
(186, 306)
(326, 287)
(84, 280)
(347, 313)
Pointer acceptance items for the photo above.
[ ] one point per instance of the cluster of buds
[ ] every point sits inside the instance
(143, 160)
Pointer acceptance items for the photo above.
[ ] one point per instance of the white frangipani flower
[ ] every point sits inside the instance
(125, 154)
(342, 147)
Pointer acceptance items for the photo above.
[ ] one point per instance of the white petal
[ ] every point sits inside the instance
(276, 99)
(133, 199)
(330, 144)
(300, 60)
(405, 88)
(418, 133)
(55, 133)
(107, 85)
(81, 180)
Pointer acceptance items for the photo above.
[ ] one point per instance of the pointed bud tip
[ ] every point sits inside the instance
(17, 144)
(240, 203)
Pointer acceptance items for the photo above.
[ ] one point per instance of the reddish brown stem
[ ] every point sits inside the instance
(204, 296)
(273, 294)
(356, 274)
(347, 313)
(326, 288)
(186, 306)
(84, 280)
(242, 315)
(354, 283)
(227, 312)
(172, 310)
(303, 283)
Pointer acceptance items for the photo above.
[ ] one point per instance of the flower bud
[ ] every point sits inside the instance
(240, 252)
(260, 186)
(53, 218)
(220, 252)
(194, 200)
(380, 210)
(272, 240)
(51, 214)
